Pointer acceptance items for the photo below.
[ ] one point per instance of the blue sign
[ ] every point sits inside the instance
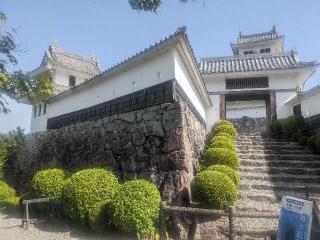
(295, 219)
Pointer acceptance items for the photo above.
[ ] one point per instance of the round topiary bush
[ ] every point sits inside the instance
(231, 130)
(291, 125)
(214, 188)
(221, 156)
(312, 143)
(12, 203)
(86, 188)
(231, 173)
(6, 192)
(222, 122)
(303, 140)
(222, 142)
(48, 183)
(224, 134)
(136, 208)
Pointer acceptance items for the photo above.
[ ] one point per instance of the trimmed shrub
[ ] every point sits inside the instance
(312, 143)
(222, 122)
(222, 142)
(231, 130)
(12, 203)
(231, 173)
(86, 188)
(48, 183)
(276, 127)
(215, 189)
(295, 136)
(6, 192)
(98, 216)
(224, 134)
(291, 125)
(136, 208)
(303, 140)
(221, 156)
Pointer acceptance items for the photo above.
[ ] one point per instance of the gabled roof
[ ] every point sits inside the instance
(309, 93)
(180, 34)
(253, 62)
(59, 57)
(271, 35)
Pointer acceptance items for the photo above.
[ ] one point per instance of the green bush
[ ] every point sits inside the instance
(295, 136)
(224, 134)
(98, 216)
(48, 183)
(214, 188)
(222, 122)
(136, 208)
(222, 142)
(12, 203)
(86, 188)
(303, 140)
(221, 156)
(231, 130)
(231, 173)
(276, 127)
(291, 125)
(6, 192)
(313, 143)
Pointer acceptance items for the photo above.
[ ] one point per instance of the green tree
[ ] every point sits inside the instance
(148, 5)
(15, 84)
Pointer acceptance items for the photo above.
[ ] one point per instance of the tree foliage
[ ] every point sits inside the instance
(148, 5)
(13, 82)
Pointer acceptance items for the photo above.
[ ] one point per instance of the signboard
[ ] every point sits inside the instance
(295, 219)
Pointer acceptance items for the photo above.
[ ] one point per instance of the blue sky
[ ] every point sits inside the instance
(112, 31)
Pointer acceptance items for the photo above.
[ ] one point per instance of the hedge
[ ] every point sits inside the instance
(136, 208)
(214, 189)
(231, 130)
(222, 122)
(48, 183)
(222, 142)
(6, 193)
(224, 134)
(221, 156)
(86, 188)
(290, 126)
(231, 173)
(314, 143)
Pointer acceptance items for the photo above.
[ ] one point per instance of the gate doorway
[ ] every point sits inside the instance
(242, 108)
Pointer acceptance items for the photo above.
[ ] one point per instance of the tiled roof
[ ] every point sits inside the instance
(253, 62)
(257, 37)
(63, 58)
(181, 32)
(59, 88)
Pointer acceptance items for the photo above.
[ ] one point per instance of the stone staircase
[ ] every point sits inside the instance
(269, 169)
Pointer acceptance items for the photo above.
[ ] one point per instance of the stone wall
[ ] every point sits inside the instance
(161, 143)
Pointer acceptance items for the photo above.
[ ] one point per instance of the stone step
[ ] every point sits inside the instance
(269, 197)
(258, 226)
(293, 187)
(281, 170)
(246, 205)
(281, 163)
(270, 147)
(279, 156)
(255, 233)
(267, 151)
(281, 177)
(258, 139)
(265, 143)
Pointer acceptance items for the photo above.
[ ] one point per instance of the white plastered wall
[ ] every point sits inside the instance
(150, 72)
(185, 80)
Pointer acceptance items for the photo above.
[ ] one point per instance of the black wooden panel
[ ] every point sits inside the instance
(151, 96)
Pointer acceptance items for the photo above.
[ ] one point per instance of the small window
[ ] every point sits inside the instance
(44, 108)
(34, 111)
(72, 81)
(248, 52)
(265, 50)
(39, 109)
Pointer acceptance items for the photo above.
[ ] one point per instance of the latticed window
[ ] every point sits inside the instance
(241, 83)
